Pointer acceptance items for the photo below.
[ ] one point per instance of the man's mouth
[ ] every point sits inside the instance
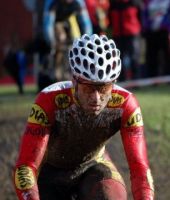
(94, 106)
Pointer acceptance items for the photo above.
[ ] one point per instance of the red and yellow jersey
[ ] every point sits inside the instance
(60, 133)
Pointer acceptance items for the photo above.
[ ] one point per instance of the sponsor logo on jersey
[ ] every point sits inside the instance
(40, 131)
(38, 116)
(116, 100)
(62, 101)
(135, 119)
(24, 178)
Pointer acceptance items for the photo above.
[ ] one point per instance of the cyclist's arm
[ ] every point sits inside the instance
(132, 133)
(32, 150)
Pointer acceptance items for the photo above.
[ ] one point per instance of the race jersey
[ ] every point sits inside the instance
(60, 133)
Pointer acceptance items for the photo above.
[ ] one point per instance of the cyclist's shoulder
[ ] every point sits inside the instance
(58, 87)
(121, 91)
(119, 96)
(56, 96)
(53, 90)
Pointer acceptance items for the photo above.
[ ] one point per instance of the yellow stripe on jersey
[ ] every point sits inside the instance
(115, 174)
(150, 179)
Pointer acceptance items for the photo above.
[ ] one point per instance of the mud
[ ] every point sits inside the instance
(11, 128)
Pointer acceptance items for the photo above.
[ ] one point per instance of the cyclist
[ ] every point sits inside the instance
(63, 20)
(58, 12)
(63, 146)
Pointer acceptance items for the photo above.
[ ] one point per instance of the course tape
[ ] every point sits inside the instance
(144, 82)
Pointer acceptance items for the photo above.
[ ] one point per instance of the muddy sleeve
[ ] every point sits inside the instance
(132, 133)
(32, 150)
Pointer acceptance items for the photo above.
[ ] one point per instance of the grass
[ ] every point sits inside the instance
(155, 105)
(11, 102)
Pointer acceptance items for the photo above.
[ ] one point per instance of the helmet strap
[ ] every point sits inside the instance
(75, 85)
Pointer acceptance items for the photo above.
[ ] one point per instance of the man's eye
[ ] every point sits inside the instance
(103, 89)
(90, 89)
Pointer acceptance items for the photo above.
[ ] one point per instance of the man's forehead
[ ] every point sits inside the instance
(83, 81)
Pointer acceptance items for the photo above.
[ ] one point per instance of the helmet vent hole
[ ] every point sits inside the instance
(72, 62)
(105, 38)
(99, 50)
(86, 37)
(106, 47)
(71, 54)
(97, 41)
(78, 61)
(81, 44)
(114, 65)
(119, 62)
(86, 75)
(113, 76)
(118, 53)
(91, 55)
(114, 53)
(92, 68)
(108, 56)
(100, 74)
(108, 68)
(85, 63)
(83, 51)
(77, 70)
(100, 61)
(75, 51)
(112, 45)
(90, 46)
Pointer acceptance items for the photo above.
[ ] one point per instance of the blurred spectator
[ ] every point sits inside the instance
(98, 12)
(125, 25)
(156, 31)
(40, 48)
(57, 11)
(15, 64)
(63, 20)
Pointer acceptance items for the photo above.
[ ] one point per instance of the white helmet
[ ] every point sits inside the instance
(95, 58)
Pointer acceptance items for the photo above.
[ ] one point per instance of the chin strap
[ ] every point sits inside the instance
(75, 91)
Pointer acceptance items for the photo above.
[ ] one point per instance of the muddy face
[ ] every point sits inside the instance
(93, 98)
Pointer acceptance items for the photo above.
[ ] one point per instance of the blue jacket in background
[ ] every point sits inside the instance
(156, 15)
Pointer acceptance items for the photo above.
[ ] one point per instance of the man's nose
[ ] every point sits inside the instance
(95, 96)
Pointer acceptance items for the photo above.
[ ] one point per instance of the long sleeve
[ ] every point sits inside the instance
(32, 152)
(132, 133)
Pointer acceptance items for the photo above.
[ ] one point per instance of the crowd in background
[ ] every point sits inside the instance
(140, 28)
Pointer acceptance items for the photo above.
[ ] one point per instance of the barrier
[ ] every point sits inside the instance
(144, 82)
